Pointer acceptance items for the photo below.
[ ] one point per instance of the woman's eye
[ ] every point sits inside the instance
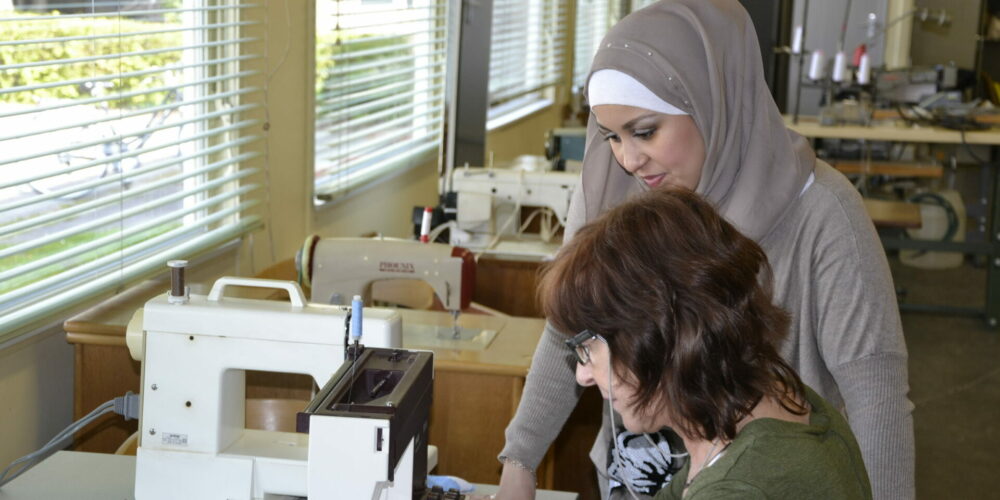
(644, 134)
(612, 138)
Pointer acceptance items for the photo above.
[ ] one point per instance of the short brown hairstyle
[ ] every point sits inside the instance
(684, 302)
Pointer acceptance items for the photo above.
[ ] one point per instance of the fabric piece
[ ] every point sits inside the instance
(772, 458)
(614, 87)
(643, 461)
(702, 56)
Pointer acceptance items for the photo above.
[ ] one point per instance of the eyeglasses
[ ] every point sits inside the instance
(577, 344)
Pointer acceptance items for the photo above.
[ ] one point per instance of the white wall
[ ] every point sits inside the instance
(36, 393)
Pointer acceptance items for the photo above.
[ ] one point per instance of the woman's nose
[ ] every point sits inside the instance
(632, 157)
(584, 375)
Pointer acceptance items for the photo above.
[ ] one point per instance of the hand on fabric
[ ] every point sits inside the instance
(516, 483)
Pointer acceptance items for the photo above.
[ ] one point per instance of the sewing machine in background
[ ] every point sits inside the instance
(193, 440)
(338, 268)
(484, 209)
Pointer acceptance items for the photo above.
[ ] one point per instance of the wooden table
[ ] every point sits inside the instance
(99, 476)
(475, 392)
(808, 126)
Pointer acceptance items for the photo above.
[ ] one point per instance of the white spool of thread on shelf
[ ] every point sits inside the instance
(816, 65)
(864, 70)
(839, 66)
(797, 40)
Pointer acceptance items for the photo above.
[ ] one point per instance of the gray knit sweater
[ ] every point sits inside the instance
(845, 340)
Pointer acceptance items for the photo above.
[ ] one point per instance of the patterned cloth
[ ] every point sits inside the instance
(645, 464)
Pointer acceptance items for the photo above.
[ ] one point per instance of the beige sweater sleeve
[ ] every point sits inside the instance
(550, 391)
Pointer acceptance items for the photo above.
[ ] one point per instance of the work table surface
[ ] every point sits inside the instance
(99, 476)
(508, 354)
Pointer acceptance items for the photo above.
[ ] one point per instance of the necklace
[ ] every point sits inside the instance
(708, 458)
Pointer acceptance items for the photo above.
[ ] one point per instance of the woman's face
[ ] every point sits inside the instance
(656, 147)
(596, 373)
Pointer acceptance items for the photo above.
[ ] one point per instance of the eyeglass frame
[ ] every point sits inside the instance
(577, 344)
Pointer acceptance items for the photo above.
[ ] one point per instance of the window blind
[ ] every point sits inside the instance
(380, 89)
(526, 50)
(638, 4)
(122, 143)
(593, 19)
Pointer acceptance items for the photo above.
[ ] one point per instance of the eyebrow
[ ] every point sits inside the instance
(629, 125)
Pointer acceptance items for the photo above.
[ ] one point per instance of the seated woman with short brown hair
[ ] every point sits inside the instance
(677, 328)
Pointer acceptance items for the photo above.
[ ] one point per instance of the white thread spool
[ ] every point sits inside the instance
(797, 40)
(839, 66)
(816, 65)
(864, 70)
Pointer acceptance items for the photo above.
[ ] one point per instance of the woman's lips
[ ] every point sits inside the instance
(654, 180)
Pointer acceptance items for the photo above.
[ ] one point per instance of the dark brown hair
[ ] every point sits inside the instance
(684, 302)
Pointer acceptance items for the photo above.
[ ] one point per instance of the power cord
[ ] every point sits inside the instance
(126, 406)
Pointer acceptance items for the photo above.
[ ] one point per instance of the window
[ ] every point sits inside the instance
(122, 140)
(526, 54)
(380, 89)
(593, 18)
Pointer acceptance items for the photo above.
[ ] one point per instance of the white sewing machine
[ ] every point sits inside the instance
(193, 440)
(490, 201)
(339, 268)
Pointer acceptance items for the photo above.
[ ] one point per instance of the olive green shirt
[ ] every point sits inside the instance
(773, 458)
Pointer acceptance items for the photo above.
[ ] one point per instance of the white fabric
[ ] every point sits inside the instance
(809, 182)
(609, 86)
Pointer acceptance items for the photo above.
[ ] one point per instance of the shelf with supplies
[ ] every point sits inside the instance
(902, 132)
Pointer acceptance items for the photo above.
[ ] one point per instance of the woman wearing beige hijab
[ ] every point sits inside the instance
(678, 98)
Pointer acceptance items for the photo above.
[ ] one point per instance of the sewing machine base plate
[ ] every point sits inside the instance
(437, 336)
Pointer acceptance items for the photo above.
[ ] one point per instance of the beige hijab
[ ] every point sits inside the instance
(702, 56)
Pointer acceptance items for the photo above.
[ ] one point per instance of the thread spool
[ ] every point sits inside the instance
(425, 225)
(356, 317)
(864, 70)
(839, 66)
(816, 65)
(797, 40)
(178, 289)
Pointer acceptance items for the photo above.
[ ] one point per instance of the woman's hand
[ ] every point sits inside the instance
(516, 483)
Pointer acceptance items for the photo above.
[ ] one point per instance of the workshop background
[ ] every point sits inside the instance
(954, 372)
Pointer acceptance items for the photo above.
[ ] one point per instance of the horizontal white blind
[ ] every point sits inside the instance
(122, 143)
(526, 47)
(593, 18)
(380, 89)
